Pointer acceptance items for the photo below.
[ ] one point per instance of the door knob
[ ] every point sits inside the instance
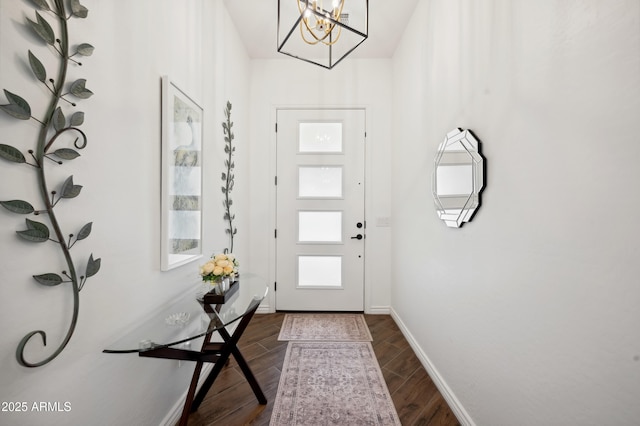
(357, 237)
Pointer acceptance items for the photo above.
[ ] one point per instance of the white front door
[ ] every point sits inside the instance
(320, 223)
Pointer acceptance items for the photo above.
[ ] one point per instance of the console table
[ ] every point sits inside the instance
(188, 318)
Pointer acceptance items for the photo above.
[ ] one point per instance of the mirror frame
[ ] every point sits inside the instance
(459, 148)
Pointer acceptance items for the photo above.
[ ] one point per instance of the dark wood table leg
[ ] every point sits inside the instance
(217, 354)
(184, 418)
(248, 374)
(230, 347)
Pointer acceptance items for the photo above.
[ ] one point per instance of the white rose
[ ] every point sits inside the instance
(207, 268)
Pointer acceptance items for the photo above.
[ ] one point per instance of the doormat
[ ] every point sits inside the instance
(325, 327)
(332, 383)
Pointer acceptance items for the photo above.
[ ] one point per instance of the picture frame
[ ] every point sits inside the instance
(181, 176)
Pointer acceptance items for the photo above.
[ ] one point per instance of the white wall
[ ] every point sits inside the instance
(136, 43)
(353, 83)
(529, 314)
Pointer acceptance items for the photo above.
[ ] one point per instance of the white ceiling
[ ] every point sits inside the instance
(256, 21)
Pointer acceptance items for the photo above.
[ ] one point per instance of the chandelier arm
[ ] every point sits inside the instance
(304, 38)
(331, 43)
(332, 26)
(299, 7)
(310, 30)
(302, 11)
(320, 39)
(323, 29)
(337, 18)
(311, 27)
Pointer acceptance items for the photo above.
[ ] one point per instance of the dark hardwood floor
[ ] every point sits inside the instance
(231, 402)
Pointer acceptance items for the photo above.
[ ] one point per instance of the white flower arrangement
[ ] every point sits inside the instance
(220, 266)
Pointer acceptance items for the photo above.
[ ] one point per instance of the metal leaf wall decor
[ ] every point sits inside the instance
(55, 129)
(228, 176)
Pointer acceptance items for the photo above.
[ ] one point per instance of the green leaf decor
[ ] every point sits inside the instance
(43, 29)
(18, 206)
(48, 279)
(57, 126)
(78, 89)
(228, 176)
(37, 67)
(12, 154)
(17, 107)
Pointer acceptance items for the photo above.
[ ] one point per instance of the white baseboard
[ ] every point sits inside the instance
(378, 310)
(264, 309)
(455, 405)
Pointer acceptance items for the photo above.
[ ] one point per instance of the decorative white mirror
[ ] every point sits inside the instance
(458, 177)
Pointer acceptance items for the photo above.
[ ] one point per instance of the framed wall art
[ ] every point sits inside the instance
(182, 123)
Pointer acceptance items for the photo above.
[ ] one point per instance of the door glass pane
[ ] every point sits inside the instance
(320, 226)
(320, 137)
(320, 271)
(320, 182)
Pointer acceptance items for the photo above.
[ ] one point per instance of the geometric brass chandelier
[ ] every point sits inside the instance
(322, 32)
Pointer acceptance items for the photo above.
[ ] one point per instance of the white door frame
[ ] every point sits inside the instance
(269, 304)
(349, 295)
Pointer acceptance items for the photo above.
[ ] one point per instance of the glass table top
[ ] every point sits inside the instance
(186, 318)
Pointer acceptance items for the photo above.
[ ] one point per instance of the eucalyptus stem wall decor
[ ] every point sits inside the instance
(227, 177)
(51, 129)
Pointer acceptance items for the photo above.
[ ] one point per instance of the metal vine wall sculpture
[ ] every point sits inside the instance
(227, 177)
(54, 127)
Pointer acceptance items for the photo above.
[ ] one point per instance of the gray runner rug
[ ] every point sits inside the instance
(332, 383)
(325, 327)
